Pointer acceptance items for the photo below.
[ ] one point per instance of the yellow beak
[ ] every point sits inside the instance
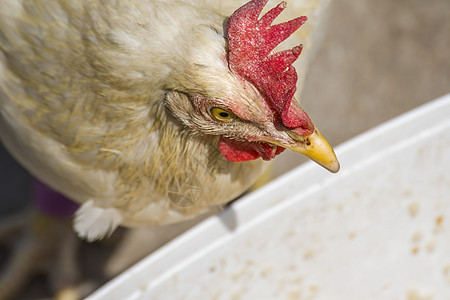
(316, 147)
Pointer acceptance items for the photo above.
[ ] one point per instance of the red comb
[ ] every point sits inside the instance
(251, 42)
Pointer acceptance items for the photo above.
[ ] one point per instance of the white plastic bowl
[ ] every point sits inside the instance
(379, 229)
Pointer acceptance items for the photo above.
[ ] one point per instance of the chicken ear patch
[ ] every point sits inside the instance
(251, 42)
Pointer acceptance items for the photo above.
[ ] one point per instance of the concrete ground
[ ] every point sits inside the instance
(378, 60)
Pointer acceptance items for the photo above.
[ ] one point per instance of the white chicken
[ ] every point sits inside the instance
(152, 111)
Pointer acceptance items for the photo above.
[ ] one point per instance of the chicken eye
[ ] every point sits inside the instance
(221, 114)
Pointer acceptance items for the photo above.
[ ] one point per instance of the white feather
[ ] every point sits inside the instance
(93, 223)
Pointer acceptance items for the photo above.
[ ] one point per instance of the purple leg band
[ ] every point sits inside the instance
(51, 202)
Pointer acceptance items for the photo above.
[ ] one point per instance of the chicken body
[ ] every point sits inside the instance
(103, 101)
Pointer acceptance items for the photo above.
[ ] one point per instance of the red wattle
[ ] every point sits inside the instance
(236, 151)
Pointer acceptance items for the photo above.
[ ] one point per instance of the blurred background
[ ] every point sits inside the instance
(378, 59)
